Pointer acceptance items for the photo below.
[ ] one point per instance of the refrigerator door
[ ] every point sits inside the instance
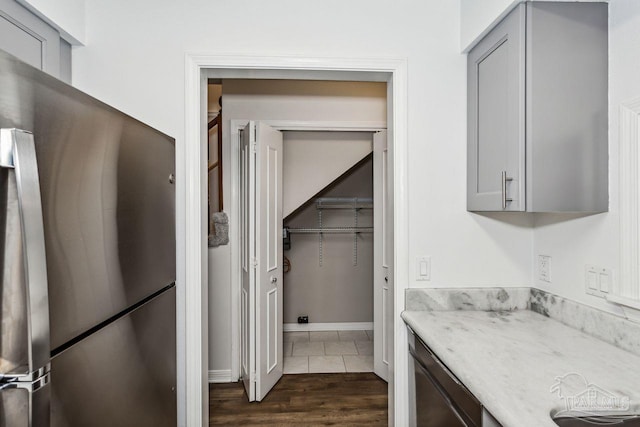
(24, 327)
(107, 198)
(122, 375)
(25, 404)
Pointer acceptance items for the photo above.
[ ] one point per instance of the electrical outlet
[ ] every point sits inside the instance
(423, 268)
(544, 268)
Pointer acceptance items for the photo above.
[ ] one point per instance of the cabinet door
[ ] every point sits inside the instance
(29, 38)
(496, 102)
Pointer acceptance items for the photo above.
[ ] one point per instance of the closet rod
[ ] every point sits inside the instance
(344, 199)
(344, 203)
(331, 230)
(344, 206)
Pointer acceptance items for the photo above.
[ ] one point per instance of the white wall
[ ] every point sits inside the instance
(67, 16)
(313, 160)
(332, 101)
(135, 48)
(219, 309)
(477, 15)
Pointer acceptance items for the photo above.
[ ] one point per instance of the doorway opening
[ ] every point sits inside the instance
(195, 290)
(290, 166)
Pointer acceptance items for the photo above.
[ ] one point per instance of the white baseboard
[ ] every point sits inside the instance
(220, 376)
(348, 326)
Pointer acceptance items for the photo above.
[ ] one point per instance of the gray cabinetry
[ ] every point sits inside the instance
(537, 111)
(30, 39)
(496, 89)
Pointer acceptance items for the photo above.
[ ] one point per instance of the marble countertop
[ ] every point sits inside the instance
(512, 360)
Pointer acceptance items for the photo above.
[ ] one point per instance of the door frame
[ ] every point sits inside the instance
(192, 351)
(235, 126)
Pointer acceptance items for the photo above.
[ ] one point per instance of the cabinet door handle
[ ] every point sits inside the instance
(505, 199)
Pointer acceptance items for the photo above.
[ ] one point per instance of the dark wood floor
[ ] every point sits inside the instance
(304, 400)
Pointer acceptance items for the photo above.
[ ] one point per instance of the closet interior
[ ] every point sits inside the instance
(328, 280)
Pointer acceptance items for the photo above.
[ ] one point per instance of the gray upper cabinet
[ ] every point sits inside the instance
(496, 88)
(537, 111)
(30, 39)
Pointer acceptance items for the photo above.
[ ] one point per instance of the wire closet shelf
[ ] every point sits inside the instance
(354, 204)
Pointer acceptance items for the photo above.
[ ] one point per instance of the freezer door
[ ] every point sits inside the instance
(25, 404)
(107, 197)
(24, 330)
(123, 375)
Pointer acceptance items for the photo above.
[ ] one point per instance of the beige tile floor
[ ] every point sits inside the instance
(328, 351)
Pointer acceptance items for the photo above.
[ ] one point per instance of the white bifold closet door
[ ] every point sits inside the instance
(261, 260)
(382, 254)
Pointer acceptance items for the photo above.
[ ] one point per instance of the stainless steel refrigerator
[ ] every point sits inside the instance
(87, 333)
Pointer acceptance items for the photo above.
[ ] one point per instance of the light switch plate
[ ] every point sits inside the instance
(591, 275)
(423, 268)
(605, 280)
(598, 281)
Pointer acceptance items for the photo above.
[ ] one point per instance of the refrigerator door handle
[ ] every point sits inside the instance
(17, 151)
